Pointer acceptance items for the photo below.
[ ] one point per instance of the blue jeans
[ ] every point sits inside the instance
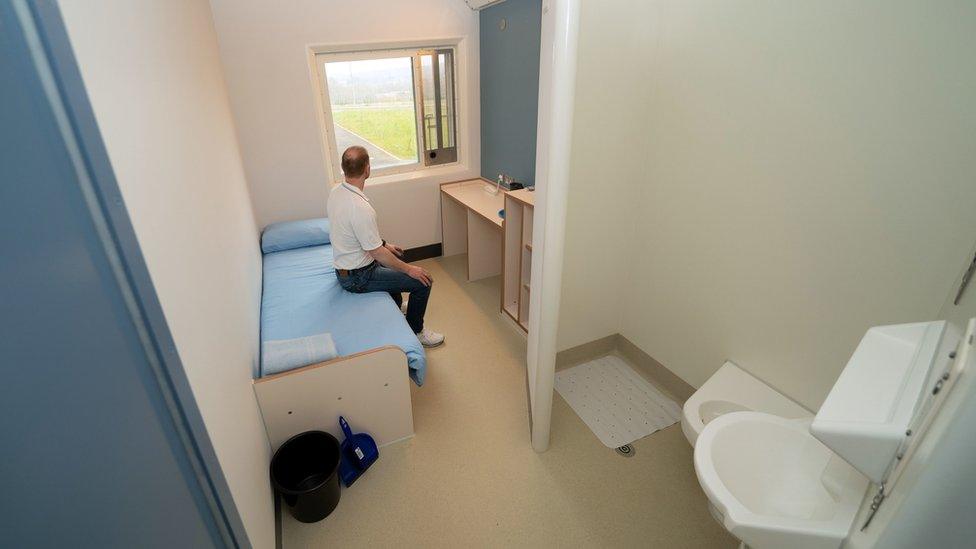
(377, 278)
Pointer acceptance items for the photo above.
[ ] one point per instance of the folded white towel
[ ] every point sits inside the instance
(280, 355)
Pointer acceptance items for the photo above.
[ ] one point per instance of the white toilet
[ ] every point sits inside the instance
(771, 484)
(798, 483)
(732, 389)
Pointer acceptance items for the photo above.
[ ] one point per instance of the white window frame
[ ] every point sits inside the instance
(318, 55)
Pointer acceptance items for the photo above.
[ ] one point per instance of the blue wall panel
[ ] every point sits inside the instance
(510, 88)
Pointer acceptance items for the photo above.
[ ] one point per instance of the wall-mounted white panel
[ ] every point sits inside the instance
(866, 416)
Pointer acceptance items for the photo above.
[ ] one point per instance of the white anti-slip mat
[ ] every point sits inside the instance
(614, 401)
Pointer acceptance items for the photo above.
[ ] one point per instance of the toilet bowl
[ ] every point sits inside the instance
(772, 484)
(798, 483)
(732, 389)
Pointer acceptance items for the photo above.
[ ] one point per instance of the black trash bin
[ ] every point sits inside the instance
(305, 471)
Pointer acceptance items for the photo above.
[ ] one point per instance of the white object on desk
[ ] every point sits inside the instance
(494, 189)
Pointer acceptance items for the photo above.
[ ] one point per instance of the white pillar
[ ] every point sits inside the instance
(557, 87)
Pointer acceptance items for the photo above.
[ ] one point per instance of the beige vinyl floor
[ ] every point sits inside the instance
(469, 477)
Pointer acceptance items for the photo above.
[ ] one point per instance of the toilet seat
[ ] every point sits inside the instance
(732, 389)
(774, 484)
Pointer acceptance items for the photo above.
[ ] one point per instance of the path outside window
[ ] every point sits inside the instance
(378, 157)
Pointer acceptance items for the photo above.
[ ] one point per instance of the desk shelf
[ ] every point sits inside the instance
(517, 256)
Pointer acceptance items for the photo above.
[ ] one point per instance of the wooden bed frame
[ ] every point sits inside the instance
(370, 389)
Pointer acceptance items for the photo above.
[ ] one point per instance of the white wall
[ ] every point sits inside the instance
(605, 171)
(805, 172)
(153, 76)
(264, 46)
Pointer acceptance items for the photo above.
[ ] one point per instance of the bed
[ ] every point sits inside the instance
(375, 348)
(302, 297)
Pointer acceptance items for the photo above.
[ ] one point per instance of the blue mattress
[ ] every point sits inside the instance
(302, 297)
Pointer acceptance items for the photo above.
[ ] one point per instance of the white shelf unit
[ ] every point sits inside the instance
(517, 256)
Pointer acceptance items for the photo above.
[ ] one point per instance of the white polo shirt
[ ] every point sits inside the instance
(353, 229)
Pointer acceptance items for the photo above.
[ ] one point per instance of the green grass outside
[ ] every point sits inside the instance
(391, 128)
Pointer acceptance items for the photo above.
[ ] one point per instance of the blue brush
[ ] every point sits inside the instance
(358, 451)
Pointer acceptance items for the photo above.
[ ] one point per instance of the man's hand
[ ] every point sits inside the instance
(420, 274)
(397, 251)
(387, 256)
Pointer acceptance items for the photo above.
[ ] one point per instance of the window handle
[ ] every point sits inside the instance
(966, 278)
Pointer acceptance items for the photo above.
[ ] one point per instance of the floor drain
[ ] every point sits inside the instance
(626, 450)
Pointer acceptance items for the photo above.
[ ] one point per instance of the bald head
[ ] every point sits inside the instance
(355, 162)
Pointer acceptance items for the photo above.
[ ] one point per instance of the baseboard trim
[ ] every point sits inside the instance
(423, 252)
(650, 368)
(586, 352)
(658, 372)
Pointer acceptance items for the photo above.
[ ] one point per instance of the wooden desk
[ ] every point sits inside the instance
(470, 223)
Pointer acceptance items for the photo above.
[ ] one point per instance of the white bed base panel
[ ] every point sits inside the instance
(370, 389)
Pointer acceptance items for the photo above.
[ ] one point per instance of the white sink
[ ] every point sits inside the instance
(774, 485)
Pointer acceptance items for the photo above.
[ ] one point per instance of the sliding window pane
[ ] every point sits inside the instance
(446, 68)
(429, 91)
(372, 105)
(439, 119)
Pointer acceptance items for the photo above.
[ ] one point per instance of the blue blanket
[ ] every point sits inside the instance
(302, 297)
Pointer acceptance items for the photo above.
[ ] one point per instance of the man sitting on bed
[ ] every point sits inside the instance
(363, 261)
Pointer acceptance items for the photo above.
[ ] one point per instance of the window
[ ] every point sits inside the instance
(401, 105)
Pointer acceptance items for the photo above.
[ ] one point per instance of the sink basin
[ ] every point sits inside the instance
(774, 485)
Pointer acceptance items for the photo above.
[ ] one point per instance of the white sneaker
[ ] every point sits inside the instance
(430, 338)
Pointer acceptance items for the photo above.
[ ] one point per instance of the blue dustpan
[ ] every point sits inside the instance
(358, 452)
